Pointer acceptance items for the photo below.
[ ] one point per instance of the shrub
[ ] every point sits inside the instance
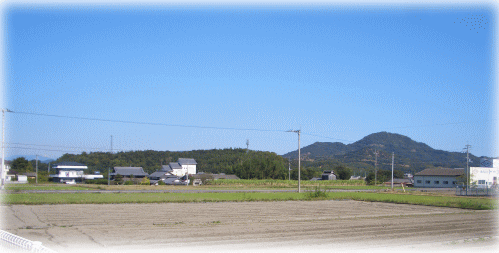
(145, 181)
(96, 181)
(128, 182)
(160, 182)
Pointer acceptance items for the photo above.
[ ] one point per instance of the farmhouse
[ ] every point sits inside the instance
(68, 172)
(129, 172)
(438, 178)
(184, 166)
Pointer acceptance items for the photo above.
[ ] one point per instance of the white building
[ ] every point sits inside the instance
(181, 168)
(438, 177)
(486, 175)
(68, 172)
(189, 164)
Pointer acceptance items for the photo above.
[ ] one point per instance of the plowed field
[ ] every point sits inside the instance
(253, 227)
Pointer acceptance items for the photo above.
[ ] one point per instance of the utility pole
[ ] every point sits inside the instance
(289, 169)
(108, 177)
(376, 167)
(111, 144)
(2, 180)
(36, 169)
(299, 157)
(393, 156)
(467, 167)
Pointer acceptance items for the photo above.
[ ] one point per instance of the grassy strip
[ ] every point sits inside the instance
(45, 187)
(115, 198)
(282, 183)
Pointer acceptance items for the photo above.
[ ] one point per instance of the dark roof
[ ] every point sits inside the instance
(165, 168)
(158, 174)
(127, 171)
(440, 172)
(187, 161)
(175, 166)
(214, 176)
(67, 164)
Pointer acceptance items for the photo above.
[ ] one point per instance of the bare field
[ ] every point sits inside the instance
(252, 226)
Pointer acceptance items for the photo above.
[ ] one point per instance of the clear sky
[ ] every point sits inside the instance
(337, 72)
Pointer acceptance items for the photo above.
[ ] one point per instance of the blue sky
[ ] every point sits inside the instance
(337, 72)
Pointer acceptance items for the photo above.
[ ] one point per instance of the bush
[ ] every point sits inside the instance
(145, 181)
(160, 182)
(128, 182)
(317, 194)
(96, 181)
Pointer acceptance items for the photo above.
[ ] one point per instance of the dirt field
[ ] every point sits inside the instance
(310, 226)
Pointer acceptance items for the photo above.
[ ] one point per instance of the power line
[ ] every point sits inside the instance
(150, 123)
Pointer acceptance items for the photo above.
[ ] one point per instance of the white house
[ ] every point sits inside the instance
(485, 176)
(181, 168)
(68, 172)
(189, 164)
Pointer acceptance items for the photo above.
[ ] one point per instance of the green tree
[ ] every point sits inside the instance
(343, 173)
(21, 165)
(118, 179)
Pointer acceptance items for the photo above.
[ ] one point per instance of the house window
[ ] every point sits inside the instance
(481, 181)
(427, 182)
(446, 182)
(437, 182)
(453, 182)
(419, 181)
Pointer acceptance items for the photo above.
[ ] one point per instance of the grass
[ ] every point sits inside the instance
(45, 187)
(116, 198)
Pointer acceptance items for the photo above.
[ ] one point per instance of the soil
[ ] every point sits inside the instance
(311, 226)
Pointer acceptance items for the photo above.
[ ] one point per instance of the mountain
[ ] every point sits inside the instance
(409, 154)
(31, 157)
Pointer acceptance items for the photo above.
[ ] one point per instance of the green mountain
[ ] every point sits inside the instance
(244, 163)
(410, 155)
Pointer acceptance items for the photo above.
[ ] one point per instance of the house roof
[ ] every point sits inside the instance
(441, 172)
(165, 168)
(175, 166)
(214, 176)
(187, 161)
(159, 174)
(127, 171)
(67, 164)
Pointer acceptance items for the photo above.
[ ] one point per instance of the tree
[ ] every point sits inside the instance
(118, 179)
(21, 165)
(343, 173)
(145, 181)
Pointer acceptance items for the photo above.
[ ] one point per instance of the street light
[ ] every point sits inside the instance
(298, 132)
(3, 148)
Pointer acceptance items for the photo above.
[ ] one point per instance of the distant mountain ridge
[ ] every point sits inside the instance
(407, 152)
(30, 157)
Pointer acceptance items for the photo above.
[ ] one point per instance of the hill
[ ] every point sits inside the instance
(245, 164)
(410, 155)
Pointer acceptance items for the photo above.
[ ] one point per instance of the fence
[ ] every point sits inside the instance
(463, 190)
(18, 244)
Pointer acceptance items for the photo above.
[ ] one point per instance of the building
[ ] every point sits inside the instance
(68, 172)
(438, 178)
(328, 175)
(129, 172)
(189, 164)
(184, 166)
(486, 175)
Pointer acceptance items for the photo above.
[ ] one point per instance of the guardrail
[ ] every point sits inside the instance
(476, 191)
(20, 243)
